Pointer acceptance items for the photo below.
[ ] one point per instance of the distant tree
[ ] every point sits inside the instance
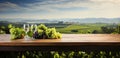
(104, 29)
(60, 22)
(107, 30)
(95, 32)
(6, 28)
(89, 31)
(118, 29)
(74, 30)
(3, 27)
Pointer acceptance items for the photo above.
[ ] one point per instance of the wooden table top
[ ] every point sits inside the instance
(66, 40)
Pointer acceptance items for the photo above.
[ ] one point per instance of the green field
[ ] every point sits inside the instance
(71, 28)
(81, 28)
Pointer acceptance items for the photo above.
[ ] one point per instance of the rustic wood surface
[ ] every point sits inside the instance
(66, 40)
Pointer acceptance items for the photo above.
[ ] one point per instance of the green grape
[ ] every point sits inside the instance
(13, 37)
(56, 55)
(51, 33)
(30, 33)
(48, 33)
(53, 36)
(58, 35)
(12, 30)
(10, 26)
(42, 27)
(23, 56)
(40, 31)
(71, 54)
(17, 33)
(40, 34)
(20, 32)
(63, 55)
(2, 32)
(53, 30)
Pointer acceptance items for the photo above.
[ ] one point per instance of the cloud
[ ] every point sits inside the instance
(107, 1)
(56, 5)
(6, 6)
(63, 9)
(49, 5)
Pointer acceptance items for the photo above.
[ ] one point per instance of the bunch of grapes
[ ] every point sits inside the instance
(42, 27)
(17, 33)
(38, 34)
(52, 34)
(44, 32)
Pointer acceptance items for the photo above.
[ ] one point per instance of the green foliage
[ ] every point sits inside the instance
(108, 29)
(91, 28)
(74, 30)
(111, 29)
(95, 31)
(10, 26)
(118, 29)
(2, 32)
(88, 28)
(3, 27)
(71, 54)
(81, 28)
(56, 55)
(59, 54)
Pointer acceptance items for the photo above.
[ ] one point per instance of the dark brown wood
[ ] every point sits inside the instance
(68, 42)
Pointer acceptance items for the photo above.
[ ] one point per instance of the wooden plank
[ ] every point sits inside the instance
(60, 48)
(67, 40)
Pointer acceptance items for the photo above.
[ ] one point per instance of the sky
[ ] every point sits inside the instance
(53, 9)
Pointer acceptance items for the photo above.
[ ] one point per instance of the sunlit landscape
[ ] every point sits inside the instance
(46, 28)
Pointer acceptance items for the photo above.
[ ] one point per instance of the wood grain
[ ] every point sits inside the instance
(66, 40)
